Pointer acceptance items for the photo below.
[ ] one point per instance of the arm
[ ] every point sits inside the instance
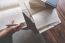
(10, 30)
(6, 32)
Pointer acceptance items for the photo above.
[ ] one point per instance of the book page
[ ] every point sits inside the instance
(45, 18)
(7, 16)
(6, 4)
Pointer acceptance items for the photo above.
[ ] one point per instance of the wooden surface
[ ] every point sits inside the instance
(57, 34)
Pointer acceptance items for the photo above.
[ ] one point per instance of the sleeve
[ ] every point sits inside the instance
(6, 39)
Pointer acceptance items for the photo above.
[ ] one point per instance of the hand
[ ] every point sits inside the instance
(15, 27)
(11, 28)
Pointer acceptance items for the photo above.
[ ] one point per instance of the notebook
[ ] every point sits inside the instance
(53, 3)
(45, 19)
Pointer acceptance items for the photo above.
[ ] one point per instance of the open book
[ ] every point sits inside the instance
(10, 10)
(44, 19)
(7, 16)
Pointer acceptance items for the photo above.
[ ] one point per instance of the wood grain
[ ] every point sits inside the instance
(57, 34)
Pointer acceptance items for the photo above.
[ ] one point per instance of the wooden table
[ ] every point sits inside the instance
(57, 34)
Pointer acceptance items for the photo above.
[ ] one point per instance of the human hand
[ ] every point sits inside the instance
(15, 27)
(11, 28)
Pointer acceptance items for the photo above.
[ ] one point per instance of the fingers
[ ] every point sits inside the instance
(15, 27)
(18, 27)
(10, 25)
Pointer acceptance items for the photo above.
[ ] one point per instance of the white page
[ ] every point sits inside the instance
(7, 16)
(5, 4)
(46, 18)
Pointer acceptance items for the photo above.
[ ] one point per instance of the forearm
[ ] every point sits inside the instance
(9, 30)
(6, 33)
